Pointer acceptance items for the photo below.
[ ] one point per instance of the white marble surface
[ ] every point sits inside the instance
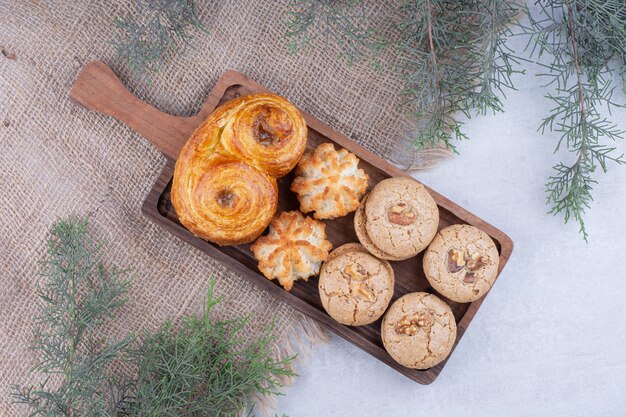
(550, 339)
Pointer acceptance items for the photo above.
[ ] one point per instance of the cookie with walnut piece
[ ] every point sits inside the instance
(294, 248)
(397, 220)
(461, 263)
(418, 330)
(355, 287)
(329, 182)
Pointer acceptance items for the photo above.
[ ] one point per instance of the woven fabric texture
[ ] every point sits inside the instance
(58, 159)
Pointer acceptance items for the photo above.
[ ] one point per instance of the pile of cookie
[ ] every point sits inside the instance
(396, 221)
(225, 190)
(329, 183)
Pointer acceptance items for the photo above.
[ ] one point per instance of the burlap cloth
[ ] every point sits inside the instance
(57, 158)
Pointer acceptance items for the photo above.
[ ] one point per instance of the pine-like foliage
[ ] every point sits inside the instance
(79, 295)
(453, 56)
(204, 367)
(199, 367)
(157, 30)
(455, 61)
(493, 62)
(339, 21)
(583, 39)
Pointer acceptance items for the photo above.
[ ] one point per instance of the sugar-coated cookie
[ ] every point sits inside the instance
(329, 182)
(419, 330)
(461, 263)
(361, 233)
(294, 248)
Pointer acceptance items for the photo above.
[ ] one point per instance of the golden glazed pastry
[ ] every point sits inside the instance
(329, 182)
(232, 202)
(224, 188)
(294, 249)
(264, 130)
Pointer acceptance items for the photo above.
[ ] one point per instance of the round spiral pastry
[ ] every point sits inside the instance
(267, 132)
(224, 188)
(225, 200)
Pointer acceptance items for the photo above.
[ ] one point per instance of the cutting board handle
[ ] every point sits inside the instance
(99, 89)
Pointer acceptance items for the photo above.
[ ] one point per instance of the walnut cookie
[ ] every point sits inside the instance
(461, 263)
(355, 287)
(419, 330)
(329, 182)
(397, 220)
(294, 248)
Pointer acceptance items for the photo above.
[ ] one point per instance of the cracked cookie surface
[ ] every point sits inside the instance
(461, 263)
(355, 287)
(400, 218)
(361, 233)
(419, 330)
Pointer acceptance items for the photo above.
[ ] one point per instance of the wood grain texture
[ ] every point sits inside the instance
(99, 89)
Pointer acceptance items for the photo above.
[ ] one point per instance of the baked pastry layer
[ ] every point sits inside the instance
(224, 187)
(329, 182)
(294, 248)
(461, 263)
(419, 330)
(266, 131)
(225, 200)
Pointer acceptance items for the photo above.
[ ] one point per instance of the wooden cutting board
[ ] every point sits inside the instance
(99, 89)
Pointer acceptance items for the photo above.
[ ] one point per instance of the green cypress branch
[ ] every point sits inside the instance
(198, 367)
(154, 33)
(582, 38)
(430, 31)
(79, 295)
(456, 61)
(494, 62)
(338, 21)
(455, 57)
(205, 367)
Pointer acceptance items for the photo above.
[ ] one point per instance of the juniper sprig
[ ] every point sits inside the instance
(201, 366)
(205, 367)
(338, 21)
(493, 62)
(79, 295)
(430, 30)
(455, 61)
(582, 39)
(157, 30)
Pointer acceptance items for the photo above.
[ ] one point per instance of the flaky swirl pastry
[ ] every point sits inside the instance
(224, 188)
(294, 249)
